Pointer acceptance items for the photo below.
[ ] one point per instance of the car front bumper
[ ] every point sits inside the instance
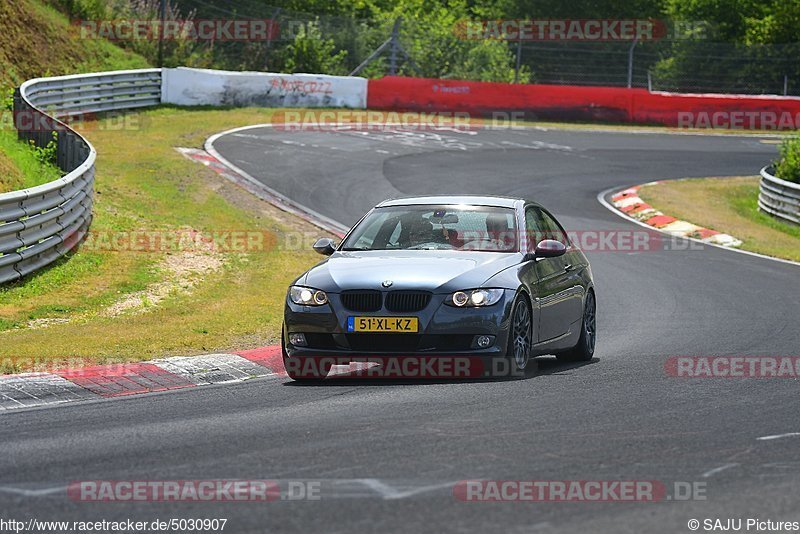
(443, 331)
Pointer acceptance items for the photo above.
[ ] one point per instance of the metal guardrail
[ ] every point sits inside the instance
(41, 224)
(779, 198)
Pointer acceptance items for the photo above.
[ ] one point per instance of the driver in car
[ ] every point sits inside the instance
(498, 232)
(420, 232)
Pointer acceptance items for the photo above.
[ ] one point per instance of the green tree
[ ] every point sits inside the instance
(432, 35)
(490, 61)
(311, 52)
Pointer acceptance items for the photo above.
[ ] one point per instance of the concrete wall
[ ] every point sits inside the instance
(199, 87)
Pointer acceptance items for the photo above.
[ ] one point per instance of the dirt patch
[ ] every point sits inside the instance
(45, 322)
(181, 270)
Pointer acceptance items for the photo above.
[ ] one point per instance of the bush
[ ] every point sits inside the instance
(7, 99)
(311, 52)
(84, 9)
(47, 155)
(788, 166)
(490, 61)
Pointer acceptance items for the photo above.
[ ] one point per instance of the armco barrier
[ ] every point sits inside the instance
(43, 223)
(562, 102)
(778, 197)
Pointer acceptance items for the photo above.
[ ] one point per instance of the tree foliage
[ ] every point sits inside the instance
(788, 166)
(737, 39)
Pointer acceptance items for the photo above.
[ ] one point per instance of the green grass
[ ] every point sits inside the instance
(144, 184)
(19, 166)
(728, 205)
(37, 40)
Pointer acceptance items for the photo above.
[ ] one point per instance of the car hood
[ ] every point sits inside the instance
(438, 271)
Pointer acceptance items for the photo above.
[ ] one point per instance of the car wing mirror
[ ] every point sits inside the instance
(550, 248)
(325, 246)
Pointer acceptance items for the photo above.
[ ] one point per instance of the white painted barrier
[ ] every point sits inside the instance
(200, 87)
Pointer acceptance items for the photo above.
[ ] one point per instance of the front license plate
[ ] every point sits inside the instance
(383, 324)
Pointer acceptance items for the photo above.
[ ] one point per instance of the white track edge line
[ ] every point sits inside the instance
(324, 222)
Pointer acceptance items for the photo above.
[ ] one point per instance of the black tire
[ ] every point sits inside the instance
(520, 340)
(583, 351)
(306, 373)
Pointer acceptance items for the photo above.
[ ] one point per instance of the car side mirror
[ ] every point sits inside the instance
(550, 248)
(325, 246)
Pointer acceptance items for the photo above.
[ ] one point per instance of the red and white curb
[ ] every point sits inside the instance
(122, 380)
(628, 202)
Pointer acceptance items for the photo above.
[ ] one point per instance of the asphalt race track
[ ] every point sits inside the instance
(388, 453)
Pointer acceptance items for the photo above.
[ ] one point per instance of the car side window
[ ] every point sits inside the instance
(552, 228)
(534, 227)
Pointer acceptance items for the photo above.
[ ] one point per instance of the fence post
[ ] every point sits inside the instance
(630, 62)
(393, 43)
(394, 47)
(270, 36)
(163, 16)
(785, 84)
(519, 60)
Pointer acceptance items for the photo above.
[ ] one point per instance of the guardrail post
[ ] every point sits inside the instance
(18, 110)
(69, 150)
(62, 159)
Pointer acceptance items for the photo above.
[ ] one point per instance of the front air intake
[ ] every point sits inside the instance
(362, 301)
(407, 301)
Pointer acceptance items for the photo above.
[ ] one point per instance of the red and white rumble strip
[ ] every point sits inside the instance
(120, 380)
(628, 202)
(117, 380)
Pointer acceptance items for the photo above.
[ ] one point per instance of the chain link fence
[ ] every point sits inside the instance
(434, 48)
(668, 65)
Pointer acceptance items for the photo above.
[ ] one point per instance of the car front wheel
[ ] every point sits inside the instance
(520, 336)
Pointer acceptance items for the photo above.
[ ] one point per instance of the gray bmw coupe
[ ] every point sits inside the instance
(492, 280)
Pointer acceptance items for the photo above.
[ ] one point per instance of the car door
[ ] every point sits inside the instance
(543, 277)
(571, 281)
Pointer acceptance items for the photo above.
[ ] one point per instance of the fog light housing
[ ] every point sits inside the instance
(298, 340)
(483, 342)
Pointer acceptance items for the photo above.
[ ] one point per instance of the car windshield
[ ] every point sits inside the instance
(475, 228)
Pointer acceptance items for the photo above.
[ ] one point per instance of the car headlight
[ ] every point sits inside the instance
(307, 296)
(474, 298)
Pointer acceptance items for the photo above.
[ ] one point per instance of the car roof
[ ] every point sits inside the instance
(469, 200)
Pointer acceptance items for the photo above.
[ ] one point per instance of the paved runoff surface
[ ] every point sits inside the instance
(367, 456)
